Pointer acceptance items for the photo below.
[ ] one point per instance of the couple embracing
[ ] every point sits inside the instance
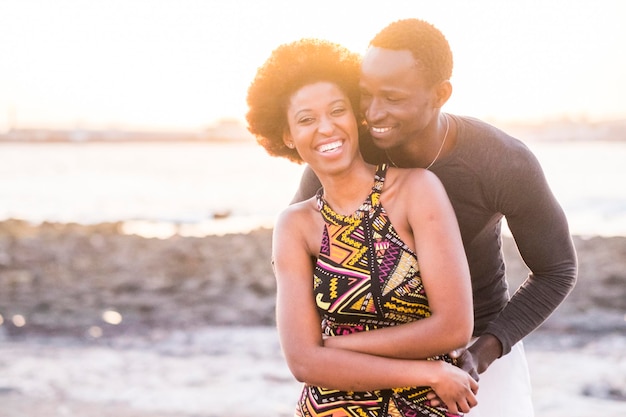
(392, 297)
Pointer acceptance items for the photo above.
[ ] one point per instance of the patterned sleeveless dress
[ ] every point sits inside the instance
(366, 278)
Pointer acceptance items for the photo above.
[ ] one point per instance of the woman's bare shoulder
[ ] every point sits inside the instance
(300, 220)
(299, 227)
(298, 212)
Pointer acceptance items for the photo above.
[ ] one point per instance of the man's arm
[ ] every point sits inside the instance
(309, 184)
(541, 232)
(542, 235)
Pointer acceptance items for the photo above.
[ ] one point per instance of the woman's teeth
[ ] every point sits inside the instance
(330, 146)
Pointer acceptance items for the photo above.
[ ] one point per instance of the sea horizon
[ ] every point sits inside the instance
(159, 189)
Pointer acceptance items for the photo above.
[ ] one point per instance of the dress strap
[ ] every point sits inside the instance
(372, 200)
(379, 178)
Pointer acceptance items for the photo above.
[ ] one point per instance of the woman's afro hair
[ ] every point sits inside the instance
(290, 67)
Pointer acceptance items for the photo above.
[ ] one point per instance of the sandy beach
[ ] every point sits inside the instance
(99, 323)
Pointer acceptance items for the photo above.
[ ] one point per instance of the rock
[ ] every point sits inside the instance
(62, 277)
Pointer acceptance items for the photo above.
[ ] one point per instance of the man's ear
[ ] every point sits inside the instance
(443, 91)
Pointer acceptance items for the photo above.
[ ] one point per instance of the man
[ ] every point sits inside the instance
(488, 175)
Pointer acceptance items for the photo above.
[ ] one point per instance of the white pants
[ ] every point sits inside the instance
(504, 388)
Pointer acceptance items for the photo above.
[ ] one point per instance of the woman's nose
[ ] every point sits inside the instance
(326, 126)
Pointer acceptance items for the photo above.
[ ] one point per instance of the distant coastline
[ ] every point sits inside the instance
(567, 130)
(233, 130)
(226, 130)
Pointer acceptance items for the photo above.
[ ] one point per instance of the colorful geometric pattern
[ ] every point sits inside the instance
(366, 278)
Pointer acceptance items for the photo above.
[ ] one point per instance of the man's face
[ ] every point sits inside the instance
(395, 98)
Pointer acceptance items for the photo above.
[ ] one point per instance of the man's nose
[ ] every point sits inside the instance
(374, 111)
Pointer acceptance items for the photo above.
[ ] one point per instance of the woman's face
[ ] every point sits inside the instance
(322, 126)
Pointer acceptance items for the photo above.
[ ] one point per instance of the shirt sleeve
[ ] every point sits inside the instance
(541, 233)
(309, 184)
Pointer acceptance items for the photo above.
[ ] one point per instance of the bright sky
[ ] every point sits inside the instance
(182, 64)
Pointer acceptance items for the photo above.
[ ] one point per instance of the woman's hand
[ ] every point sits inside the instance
(455, 389)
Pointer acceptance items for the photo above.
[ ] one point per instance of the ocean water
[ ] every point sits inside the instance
(213, 188)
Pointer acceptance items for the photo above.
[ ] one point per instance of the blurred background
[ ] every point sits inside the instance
(165, 83)
(182, 65)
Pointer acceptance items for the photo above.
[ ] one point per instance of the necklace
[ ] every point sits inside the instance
(443, 142)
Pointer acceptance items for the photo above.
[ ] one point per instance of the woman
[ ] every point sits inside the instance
(346, 260)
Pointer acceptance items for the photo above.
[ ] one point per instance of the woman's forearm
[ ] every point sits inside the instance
(416, 340)
(354, 371)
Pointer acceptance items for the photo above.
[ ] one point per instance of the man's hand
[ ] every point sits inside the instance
(477, 358)
(466, 361)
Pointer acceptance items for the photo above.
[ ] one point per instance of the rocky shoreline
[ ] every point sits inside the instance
(94, 280)
(99, 322)
(63, 278)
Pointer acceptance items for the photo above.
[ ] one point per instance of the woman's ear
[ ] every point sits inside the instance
(288, 140)
(443, 92)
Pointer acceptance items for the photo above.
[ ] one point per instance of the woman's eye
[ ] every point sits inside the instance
(305, 120)
(338, 111)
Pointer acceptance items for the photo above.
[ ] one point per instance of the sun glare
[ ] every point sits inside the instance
(138, 65)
